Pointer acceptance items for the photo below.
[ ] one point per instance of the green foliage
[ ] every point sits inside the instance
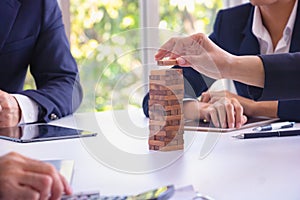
(105, 42)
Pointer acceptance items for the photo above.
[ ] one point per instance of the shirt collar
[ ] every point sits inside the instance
(262, 33)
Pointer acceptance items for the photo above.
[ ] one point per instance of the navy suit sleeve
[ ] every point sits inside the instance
(53, 68)
(282, 82)
(281, 76)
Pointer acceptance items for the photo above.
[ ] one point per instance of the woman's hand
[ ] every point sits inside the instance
(251, 108)
(199, 52)
(224, 112)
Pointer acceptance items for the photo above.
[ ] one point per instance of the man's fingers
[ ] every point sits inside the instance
(39, 182)
(45, 168)
(68, 189)
(25, 192)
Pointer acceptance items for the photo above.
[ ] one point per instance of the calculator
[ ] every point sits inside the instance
(161, 193)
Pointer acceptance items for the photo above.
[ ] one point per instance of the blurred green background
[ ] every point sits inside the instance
(105, 41)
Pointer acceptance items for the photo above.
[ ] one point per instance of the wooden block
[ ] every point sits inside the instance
(166, 71)
(173, 108)
(164, 104)
(174, 136)
(167, 62)
(166, 92)
(173, 128)
(151, 147)
(172, 148)
(177, 133)
(166, 98)
(155, 127)
(175, 142)
(174, 117)
(161, 133)
(157, 143)
(165, 77)
(158, 133)
(160, 138)
(160, 92)
(167, 82)
(154, 77)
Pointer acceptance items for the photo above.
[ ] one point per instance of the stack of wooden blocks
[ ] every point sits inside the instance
(165, 110)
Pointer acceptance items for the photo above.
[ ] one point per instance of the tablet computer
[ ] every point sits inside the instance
(41, 132)
(208, 126)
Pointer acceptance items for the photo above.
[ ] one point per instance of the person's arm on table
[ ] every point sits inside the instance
(54, 69)
(36, 39)
(25, 178)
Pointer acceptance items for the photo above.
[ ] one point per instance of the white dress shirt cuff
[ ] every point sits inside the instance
(29, 109)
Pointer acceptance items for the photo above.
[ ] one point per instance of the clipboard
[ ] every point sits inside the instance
(209, 127)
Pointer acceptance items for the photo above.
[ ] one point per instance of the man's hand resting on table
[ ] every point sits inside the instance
(10, 112)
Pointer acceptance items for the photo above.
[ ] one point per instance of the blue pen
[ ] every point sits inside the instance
(275, 126)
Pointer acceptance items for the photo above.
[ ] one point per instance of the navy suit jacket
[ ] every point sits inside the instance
(233, 33)
(32, 35)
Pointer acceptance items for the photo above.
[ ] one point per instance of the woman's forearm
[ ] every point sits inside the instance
(246, 69)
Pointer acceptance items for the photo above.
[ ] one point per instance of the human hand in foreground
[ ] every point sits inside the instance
(25, 178)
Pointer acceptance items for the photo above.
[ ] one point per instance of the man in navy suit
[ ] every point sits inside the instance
(262, 27)
(32, 35)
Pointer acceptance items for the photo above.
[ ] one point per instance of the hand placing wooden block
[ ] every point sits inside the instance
(167, 62)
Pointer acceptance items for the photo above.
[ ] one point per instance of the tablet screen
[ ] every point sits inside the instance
(208, 126)
(41, 132)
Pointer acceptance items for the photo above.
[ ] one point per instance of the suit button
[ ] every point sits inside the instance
(53, 116)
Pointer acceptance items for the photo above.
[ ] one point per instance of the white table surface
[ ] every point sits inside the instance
(118, 161)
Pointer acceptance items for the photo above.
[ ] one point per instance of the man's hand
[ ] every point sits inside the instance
(24, 178)
(10, 112)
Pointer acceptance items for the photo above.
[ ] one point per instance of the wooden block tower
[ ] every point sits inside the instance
(166, 123)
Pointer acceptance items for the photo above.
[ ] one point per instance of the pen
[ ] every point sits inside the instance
(267, 134)
(275, 126)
